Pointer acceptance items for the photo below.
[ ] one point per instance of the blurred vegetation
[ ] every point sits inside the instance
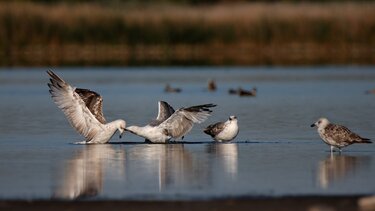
(187, 2)
(40, 34)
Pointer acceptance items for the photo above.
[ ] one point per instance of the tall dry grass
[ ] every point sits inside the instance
(258, 33)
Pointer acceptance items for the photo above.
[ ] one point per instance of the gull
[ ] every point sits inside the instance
(336, 135)
(223, 131)
(172, 124)
(83, 109)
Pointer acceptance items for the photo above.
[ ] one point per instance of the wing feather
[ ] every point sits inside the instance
(341, 133)
(94, 103)
(182, 121)
(74, 108)
(165, 111)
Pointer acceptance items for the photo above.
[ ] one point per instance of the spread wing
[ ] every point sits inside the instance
(342, 134)
(165, 111)
(74, 108)
(94, 103)
(181, 121)
(214, 129)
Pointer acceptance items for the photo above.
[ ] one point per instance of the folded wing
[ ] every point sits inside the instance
(342, 133)
(214, 129)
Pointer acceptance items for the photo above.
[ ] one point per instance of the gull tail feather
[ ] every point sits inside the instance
(366, 141)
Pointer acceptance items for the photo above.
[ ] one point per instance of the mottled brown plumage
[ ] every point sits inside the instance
(343, 135)
(94, 103)
(337, 135)
(214, 129)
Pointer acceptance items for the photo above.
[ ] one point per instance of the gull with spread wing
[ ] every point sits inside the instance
(171, 124)
(83, 109)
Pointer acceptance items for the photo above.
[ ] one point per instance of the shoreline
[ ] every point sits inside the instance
(341, 203)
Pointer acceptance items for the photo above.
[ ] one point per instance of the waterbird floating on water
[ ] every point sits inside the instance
(83, 109)
(223, 131)
(211, 85)
(242, 92)
(250, 93)
(371, 91)
(172, 124)
(233, 91)
(336, 135)
(169, 89)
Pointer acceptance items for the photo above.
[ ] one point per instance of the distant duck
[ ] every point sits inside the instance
(169, 89)
(211, 85)
(223, 131)
(242, 92)
(372, 91)
(249, 93)
(233, 91)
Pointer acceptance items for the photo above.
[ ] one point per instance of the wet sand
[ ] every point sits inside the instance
(311, 203)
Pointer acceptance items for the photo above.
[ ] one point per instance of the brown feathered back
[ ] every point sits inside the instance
(94, 103)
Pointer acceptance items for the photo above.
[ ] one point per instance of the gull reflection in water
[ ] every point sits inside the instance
(84, 173)
(168, 165)
(227, 155)
(338, 167)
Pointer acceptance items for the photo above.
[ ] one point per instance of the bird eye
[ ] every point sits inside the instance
(319, 122)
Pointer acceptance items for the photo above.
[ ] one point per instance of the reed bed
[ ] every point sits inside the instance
(224, 34)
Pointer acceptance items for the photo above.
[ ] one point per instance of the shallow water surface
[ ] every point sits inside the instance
(275, 154)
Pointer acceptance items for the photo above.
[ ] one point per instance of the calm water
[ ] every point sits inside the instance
(275, 154)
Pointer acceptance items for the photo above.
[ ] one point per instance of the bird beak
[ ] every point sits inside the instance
(121, 132)
(313, 125)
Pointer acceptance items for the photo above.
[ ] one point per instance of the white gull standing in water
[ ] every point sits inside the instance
(171, 124)
(336, 135)
(223, 131)
(83, 109)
